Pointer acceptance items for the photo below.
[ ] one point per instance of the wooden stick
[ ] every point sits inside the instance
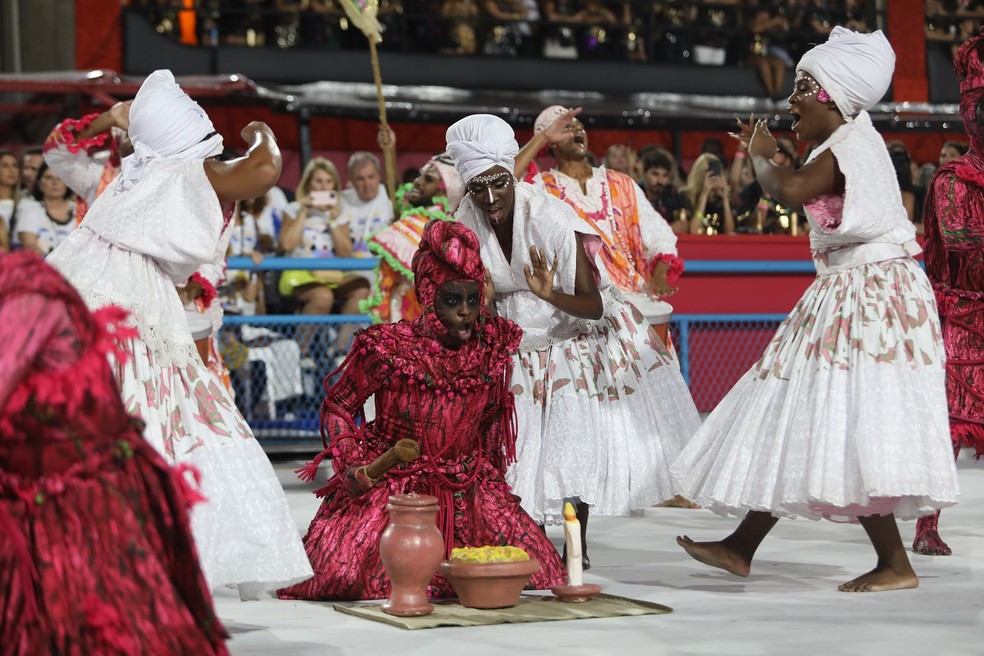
(389, 154)
(403, 451)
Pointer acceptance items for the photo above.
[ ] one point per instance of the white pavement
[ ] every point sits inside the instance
(789, 604)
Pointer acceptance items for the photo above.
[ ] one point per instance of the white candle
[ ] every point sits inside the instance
(572, 537)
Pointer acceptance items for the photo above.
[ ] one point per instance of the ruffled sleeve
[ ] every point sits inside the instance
(657, 236)
(342, 419)
(70, 157)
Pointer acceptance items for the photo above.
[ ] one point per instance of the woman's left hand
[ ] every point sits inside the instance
(540, 278)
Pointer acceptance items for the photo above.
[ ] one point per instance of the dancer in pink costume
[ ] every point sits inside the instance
(954, 221)
(96, 553)
(441, 380)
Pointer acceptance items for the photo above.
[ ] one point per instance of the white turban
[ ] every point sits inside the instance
(165, 122)
(855, 69)
(548, 116)
(478, 142)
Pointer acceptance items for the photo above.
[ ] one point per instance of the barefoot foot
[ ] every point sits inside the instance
(715, 554)
(881, 579)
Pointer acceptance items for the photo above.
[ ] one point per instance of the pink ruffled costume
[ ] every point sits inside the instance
(456, 403)
(96, 553)
(954, 224)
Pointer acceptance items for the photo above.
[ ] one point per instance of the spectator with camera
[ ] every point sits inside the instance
(313, 228)
(710, 197)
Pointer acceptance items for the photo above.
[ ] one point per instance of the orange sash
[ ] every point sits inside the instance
(622, 252)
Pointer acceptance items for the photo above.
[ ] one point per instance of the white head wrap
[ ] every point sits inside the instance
(548, 116)
(454, 186)
(165, 122)
(478, 142)
(856, 69)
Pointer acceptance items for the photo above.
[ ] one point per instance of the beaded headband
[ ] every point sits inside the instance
(485, 179)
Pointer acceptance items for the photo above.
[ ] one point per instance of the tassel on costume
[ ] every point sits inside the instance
(308, 472)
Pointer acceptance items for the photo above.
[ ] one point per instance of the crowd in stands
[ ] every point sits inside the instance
(951, 22)
(756, 32)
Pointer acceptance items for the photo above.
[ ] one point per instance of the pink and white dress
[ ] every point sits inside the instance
(845, 414)
(135, 244)
(602, 408)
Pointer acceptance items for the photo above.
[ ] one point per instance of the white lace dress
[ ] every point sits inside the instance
(845, 414)
(602, 408)
(131, 249)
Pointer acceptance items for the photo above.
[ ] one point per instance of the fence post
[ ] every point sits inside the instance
(683, 348)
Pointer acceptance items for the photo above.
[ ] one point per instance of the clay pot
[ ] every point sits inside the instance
(411, 548)
(489, 585)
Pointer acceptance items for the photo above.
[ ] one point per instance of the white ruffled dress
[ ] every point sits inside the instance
(132, 248)
(601, 405)
(845, 414)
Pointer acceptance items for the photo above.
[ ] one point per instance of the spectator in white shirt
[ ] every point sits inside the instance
(42, 226)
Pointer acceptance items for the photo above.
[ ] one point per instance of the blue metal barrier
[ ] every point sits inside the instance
(281, 401)
(364, 263)
(279, 392)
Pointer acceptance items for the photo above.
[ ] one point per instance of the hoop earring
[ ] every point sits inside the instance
(823, 96)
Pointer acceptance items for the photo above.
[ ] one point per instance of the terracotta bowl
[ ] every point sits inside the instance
(489, 585)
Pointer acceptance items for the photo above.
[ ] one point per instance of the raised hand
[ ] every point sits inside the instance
(557, 131)
(250, 130)
(744, 134)
(762, 143)
(120, 113)
(541, 276)
(386, 137)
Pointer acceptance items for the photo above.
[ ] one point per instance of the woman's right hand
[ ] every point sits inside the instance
(557, 131)
(762, 143)
(540, 277)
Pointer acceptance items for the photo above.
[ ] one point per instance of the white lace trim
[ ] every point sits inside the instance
(170, 347)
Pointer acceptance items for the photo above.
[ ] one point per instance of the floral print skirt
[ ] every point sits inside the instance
(844, 415)
(601, 417)
(244, 531)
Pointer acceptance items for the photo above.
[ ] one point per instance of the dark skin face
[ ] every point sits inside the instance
(812, 119)
(457, 304)
(495, 197)
(425, 186)
(575, 148)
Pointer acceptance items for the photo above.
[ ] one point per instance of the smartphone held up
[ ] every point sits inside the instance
(324, 198)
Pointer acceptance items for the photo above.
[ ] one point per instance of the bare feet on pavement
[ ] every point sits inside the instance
(881, 579)
(715, 554)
